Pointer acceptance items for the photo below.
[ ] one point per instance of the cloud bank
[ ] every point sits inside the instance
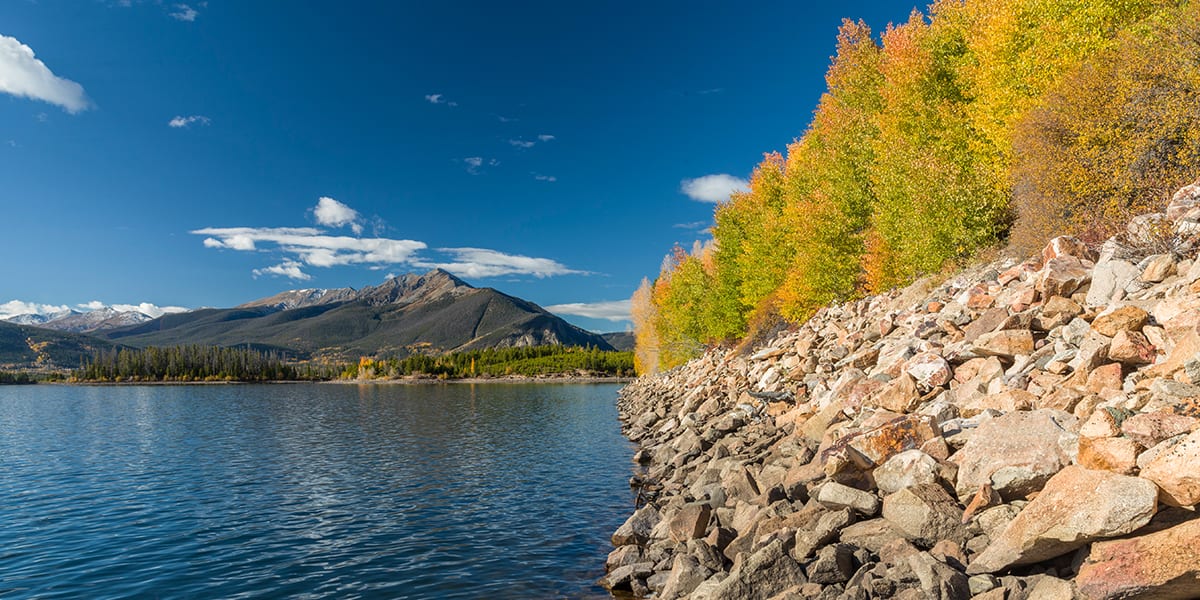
(14, 308)
(24, 76)
(713, 188)
(615, 310)
(302, 247)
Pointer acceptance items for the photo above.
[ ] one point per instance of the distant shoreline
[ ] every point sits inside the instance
(402, 381)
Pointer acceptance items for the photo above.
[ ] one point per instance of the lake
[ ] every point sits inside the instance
(309, 490)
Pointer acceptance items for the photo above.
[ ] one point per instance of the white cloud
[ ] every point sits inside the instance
(504, 119)
(522, 143)
(615, 310)
(146, 308)
(181, 121)
(14, 308)
(302, 247)
(24, 76)
(184, 12)
(312, 246)
(481, 262)
(475, 162)
(545, 137)
(439, 99)
(541, 177)
(287, 268)
(692, 225)
(713, 188)
(335, 214)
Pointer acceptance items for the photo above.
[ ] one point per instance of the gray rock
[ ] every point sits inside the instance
(925, 514)
(637, 528)
(1076, 507)
(834, 564)
(1109, 281)
(762, 575)
(836, 496)
(622, 578)
(686, 575)
(808, 539)
(938, 580)
(872, 535)
(906, 469)
(1016, 453)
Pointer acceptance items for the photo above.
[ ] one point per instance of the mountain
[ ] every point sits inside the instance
(96, 320)
(39, 320)
(435, 311)
(620, 340)
(22, 346)
(302, 298)
(82, 322)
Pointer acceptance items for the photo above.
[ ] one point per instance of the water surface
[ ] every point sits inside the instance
(309, 491)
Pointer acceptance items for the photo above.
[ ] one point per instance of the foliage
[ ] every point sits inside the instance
(527, 361)
(1081, 109)
(17, 378)
(645, 316)
(1116, 137)
(195, 363)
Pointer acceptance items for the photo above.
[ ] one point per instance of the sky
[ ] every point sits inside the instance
(158, 154)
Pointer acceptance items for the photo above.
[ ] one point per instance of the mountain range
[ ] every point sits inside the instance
(430, 312)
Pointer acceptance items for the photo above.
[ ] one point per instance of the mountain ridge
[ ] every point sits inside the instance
(434, 311)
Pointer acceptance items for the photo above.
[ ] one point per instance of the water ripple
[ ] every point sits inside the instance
(308, 491)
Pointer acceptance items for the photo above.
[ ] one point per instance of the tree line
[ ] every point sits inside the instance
(978, 124)
(529, 361)
(196, 363)
(212, 363)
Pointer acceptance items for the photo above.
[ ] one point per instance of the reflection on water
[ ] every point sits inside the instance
(310, 491)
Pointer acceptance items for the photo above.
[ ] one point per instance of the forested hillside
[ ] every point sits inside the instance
(979, 124)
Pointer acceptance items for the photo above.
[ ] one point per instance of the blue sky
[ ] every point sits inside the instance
(211, 153)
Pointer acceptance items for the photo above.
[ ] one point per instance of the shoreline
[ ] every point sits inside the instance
(406, 381)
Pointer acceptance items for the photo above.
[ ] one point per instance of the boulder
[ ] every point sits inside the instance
(1109, 279)
(1115, 454)
(686, 575)
(899, 395)
(874, 446)
(939, 581)
(906, 469)
(637, 528)
(1158, 268)
(924, 514)
(1131, 348)
(1062, 276)
(1124, 318)
(1158, 566)
(1005, 343)
(1175, 472)
(1077, 506)
(760, 576)
(689, 522)
(1148, 429)
(836, 496)
(1183, 201)
(834, 564)
(1016, 453)
(929, 369)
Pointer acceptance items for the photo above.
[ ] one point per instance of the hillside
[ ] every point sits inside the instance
(23, 346)
(620, 340)
(431, 312)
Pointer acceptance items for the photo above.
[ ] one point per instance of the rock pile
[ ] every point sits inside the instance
(1024, 430)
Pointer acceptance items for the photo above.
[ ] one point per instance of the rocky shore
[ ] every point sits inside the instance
(1022, 430)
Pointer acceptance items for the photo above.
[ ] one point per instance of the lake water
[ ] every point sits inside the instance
(309, 491)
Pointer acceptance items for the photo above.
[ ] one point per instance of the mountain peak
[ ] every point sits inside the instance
(410, 287)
